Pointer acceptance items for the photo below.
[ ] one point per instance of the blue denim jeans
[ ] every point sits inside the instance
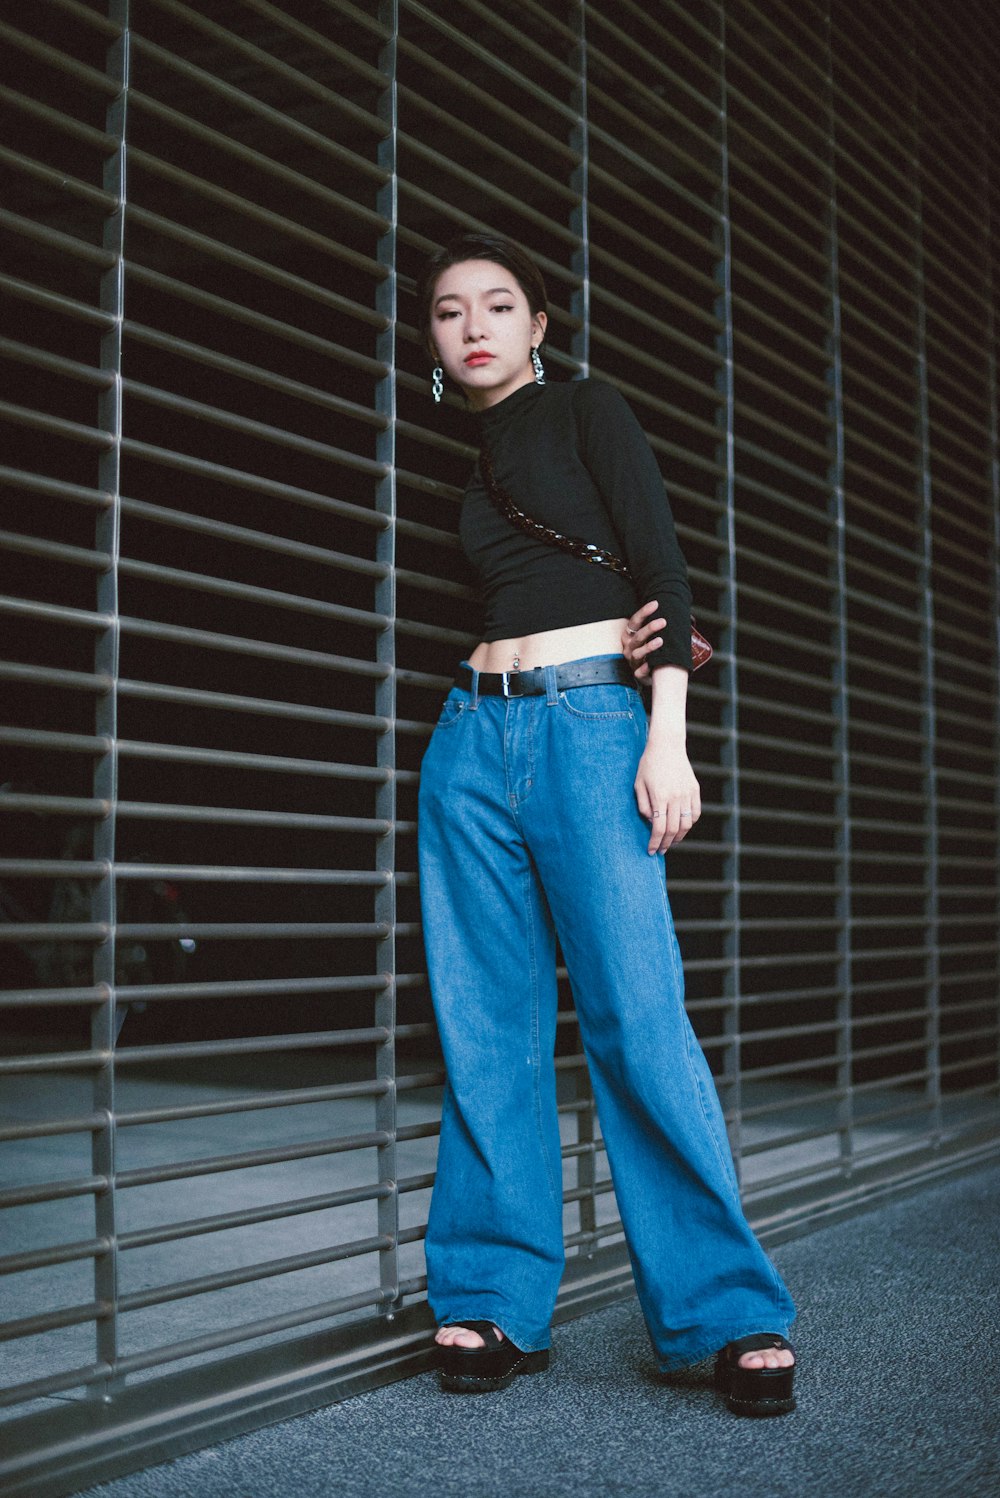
(529, 830)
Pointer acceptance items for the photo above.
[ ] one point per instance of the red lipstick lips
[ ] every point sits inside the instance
(479, 357)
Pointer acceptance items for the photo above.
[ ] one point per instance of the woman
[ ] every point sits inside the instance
(535, 790)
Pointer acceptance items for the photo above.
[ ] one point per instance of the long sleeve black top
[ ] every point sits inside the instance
(574, 457)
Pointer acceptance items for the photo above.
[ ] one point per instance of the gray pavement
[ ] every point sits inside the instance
(899, 1319)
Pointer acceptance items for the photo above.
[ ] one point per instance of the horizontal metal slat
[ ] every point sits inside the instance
(259, 540)
(55, 426)
(61, 62)
(283, 122)
(623, 41)
(260, 483)
(260, 649)
(52, 301)
(202, 582)
(412, 100)
(206, 1284)
(231, 702)
(215, 1164)
(154, 1357)
(55, 551)
(37, 109)
(64, 244)
(321, 43)
(62, 1253)
(271, 763)
(515, 124)
(40, 483)
(216, 249)
(446, 169)
(99, 931)
(223, 873)
(49, 1321)
(255, 373)
(300, 83)
(246, 208)
(62, 181)
(248, 426)
(255, 1102)
(52, 1191)
(253, 317)
(250, 1216)
(183, 992)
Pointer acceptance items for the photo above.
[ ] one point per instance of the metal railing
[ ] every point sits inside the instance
(233, 596)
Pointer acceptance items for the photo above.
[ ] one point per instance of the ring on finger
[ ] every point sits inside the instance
(686, 814)
(630, 631)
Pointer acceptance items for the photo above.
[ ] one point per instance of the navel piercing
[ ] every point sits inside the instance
(517, 663)
(437, 384)
(538, 366)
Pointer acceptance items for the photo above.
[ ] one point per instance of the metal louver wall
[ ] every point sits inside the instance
(232, 598)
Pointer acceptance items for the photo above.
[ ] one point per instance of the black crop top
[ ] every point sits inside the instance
(574, 457)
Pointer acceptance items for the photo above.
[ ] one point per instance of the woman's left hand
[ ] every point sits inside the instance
(641, 637)
(667, 792)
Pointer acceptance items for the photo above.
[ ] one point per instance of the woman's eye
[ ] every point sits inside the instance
(446, 316)
(503, 307)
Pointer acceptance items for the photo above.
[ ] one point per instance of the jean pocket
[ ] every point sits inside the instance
(596, 704)
(452, 708)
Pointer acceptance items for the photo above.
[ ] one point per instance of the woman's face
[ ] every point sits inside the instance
(483, 330)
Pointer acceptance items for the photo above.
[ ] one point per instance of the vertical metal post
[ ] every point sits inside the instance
(107, 651)
(924, 520)
(729, 1083)
(586, 1160)
(580, 182)
(993, 396)
(840, 704)
(385, 696)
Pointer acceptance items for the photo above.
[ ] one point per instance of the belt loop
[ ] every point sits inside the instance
(551, 690)
(474, 689)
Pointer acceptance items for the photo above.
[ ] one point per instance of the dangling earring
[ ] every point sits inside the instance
(437, 384)
(539, 368)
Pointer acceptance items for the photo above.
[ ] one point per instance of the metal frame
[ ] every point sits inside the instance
(234, 600)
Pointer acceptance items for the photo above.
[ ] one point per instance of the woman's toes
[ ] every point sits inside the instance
(461, 1336)
(778, 1357)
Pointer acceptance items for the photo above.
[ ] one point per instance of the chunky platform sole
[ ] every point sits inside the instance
(481, 1370)
(756, 1392)
(472, 1383)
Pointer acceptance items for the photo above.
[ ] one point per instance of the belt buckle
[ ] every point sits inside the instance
(507, 682)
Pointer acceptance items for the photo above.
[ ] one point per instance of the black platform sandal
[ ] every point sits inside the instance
(755, 1391)
(480, 1370)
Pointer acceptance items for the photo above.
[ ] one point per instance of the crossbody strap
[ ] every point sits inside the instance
(573, 545)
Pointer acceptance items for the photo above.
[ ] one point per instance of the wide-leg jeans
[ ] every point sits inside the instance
(529, 830)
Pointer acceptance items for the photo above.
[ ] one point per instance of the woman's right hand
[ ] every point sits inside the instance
(639, 638)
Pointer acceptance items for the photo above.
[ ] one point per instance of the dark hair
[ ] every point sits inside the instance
(494, 247)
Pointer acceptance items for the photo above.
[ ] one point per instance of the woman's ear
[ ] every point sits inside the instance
(539, 323)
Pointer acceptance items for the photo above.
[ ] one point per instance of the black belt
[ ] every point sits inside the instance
(532, 683)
